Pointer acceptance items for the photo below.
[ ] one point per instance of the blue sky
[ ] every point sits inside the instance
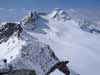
(50, 4)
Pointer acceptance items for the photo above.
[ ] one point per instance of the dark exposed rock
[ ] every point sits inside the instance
(23, 72)
(8, 30)
(61, 66)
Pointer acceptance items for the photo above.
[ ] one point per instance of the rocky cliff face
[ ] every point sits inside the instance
(8, 29)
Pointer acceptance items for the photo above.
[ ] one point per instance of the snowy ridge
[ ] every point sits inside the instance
(8, 29)
(29, 21)
(59, 14)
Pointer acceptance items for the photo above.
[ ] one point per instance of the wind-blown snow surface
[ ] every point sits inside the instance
(66, 39)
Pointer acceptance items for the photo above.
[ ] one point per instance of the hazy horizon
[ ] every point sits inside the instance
(50, 4)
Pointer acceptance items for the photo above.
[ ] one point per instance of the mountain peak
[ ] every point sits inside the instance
(57, 9)
(60, 14)
(29, 21)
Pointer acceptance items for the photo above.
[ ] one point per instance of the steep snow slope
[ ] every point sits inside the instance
(70, 42)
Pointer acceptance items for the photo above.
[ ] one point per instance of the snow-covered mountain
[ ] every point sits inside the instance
(22, 51)
(39, 41)
(59, 14)
(89, 26)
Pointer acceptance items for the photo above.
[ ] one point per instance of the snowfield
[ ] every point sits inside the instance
(65, 37)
